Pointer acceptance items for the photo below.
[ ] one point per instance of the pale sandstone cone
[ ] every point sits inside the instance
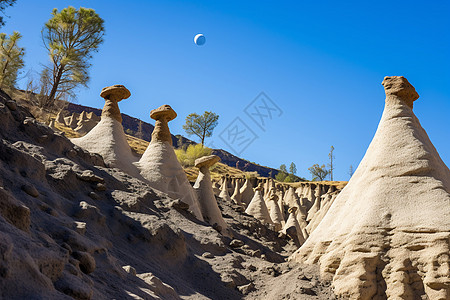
(159, 164)
(203, 186)
(107, 138)
(275, 213)
(387, 234)
(257, 207)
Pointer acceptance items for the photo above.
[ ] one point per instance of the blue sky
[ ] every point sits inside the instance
(320, 62)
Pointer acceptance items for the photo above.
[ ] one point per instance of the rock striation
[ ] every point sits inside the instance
(257, 207)
(387, 234)
(107, 138)
(159, 164)
(203, 186)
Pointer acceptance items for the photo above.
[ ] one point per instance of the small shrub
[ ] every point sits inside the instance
(187, 157)
(253, 174)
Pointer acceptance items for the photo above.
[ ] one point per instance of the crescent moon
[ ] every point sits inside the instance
(199, 39)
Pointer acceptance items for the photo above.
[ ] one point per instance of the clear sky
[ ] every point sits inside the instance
(320, 62)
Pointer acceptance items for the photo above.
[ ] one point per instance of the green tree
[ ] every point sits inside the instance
(318, 172)
(330, 165)
(3, 5)
(11, 59)
(292, 168)
(70, 36)
(281, 176)
(201, 126)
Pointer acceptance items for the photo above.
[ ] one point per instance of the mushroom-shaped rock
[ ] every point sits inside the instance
(257, 207)
(397, 87)
(203, 186)
(113, 95)
(162, 115)
(391, 222)
(275, 213)
(107, 138)
(159, 164)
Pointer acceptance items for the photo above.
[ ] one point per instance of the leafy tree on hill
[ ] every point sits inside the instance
(318, 172)
(11, 59)
(281, 176)
(292, 168)
(70, 36)
(201, 125)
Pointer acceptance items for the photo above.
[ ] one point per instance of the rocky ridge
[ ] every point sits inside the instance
(70, 227)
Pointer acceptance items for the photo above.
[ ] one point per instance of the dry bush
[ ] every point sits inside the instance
(187, 157)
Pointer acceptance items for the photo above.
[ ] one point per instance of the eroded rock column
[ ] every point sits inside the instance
(208, 204)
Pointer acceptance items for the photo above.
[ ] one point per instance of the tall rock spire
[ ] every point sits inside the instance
(387, 234)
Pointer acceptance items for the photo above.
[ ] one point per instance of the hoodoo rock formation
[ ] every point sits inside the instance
(257, 207)
(246, 192)
(208, 204)
(107, 138)
(387, 234)
(292, 228)
(159, 164)
(275, 213)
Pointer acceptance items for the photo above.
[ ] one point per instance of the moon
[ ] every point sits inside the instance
(199, 39)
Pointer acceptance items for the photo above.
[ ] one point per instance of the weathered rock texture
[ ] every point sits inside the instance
(257, 207)
(208, 204)
(159, 164)
(387, 234)
(275, 213)
(107, 138)
(72, 228)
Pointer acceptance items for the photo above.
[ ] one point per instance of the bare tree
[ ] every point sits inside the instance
(330, 165)
(351, 171)
(139, 133)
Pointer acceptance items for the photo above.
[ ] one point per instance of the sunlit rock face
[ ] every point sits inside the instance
(387, 233)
